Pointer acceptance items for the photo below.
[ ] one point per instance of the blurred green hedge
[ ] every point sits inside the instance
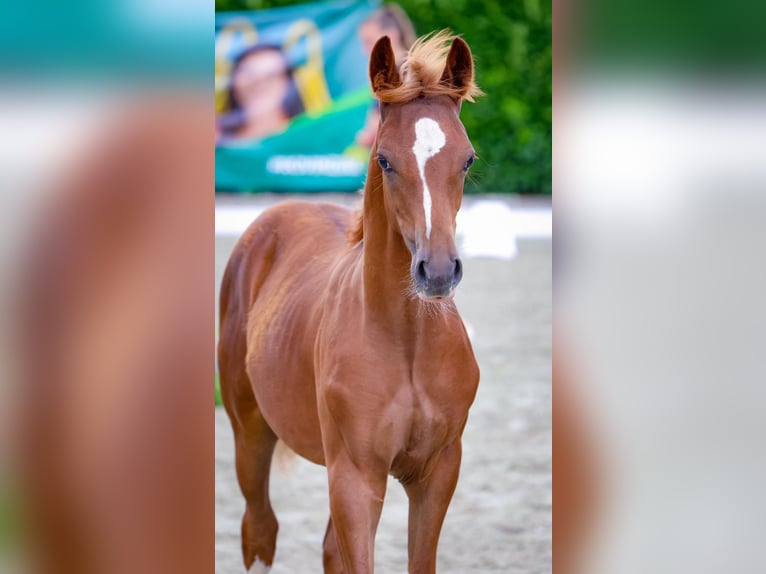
(511, 125)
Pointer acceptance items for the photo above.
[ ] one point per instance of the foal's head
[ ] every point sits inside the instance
(424, 153)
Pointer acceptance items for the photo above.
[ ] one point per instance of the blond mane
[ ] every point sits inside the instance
(422, 71)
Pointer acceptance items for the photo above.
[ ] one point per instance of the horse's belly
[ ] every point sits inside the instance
(281, 370)
(287, 399)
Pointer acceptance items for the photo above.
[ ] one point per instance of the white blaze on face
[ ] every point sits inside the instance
(429, 140)
(259, 567)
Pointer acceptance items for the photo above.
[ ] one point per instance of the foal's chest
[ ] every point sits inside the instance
(404, 397)
(434, 416)
(426, 427)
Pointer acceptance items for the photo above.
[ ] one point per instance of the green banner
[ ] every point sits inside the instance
(292, 98)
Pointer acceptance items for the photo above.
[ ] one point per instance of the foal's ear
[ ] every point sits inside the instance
(458, 71)
(383, 72)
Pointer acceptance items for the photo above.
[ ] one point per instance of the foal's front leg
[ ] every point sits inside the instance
(356, 500)
(429, 500)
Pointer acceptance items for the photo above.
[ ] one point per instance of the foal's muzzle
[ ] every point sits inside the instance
(436, 277)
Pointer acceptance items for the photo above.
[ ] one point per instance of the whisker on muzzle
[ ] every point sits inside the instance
(427, 308)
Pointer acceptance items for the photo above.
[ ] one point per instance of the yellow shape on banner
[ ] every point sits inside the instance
(309, 77)
(223, 62)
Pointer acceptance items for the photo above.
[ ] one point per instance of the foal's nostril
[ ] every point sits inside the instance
(458, 271)
(420, 271)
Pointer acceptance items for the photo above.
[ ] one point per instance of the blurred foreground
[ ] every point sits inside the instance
(106, 258)
(659, 280)
(107, 363)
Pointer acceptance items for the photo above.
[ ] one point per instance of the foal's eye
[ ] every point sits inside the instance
(469, 163)
(384, 165)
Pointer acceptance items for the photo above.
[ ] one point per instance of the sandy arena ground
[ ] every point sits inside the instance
(500, 517)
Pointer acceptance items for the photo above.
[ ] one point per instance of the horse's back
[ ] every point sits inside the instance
(270, 299)
(278, 243)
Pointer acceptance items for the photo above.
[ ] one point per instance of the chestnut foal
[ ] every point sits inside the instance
(339, 335)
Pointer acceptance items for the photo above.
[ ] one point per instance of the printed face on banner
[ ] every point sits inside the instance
(294, 110)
